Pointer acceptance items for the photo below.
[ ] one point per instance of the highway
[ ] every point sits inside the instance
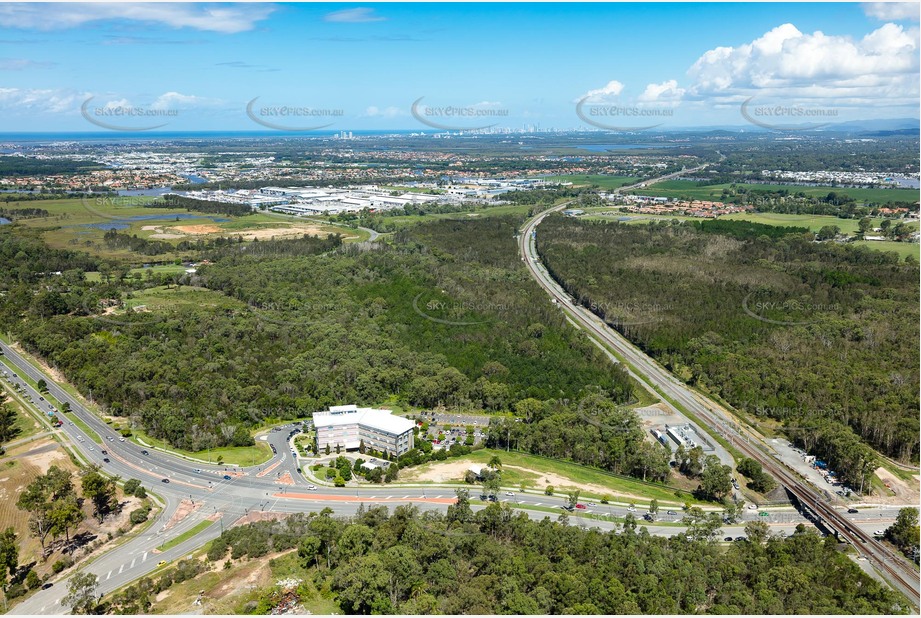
(896, 568)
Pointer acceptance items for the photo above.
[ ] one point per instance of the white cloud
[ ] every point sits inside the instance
(387, 112)
(888, 11)
(612, 89)
(214, 17)
(173, 100)
(41, 100)
(667, 91)
(787, 62)
(20, 64)
(354, 16)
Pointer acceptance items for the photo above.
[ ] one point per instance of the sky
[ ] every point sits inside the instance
(419, 66)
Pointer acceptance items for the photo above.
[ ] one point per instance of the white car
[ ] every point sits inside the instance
(311, 487)
(752, 507)
(879, 533)
(92, 448)
(632, 509)
(121, 439)
(509, 493)
(111, 439)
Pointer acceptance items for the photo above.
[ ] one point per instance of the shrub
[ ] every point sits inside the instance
(549, 490)
(15, 591)
(139, 516)
(32, 580)
(131, 486)
(62, 564)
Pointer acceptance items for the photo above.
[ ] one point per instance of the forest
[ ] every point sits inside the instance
(818, 336)
(496, 561)
(444, 315)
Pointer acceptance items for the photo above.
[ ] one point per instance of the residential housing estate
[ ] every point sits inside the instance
(348, 426)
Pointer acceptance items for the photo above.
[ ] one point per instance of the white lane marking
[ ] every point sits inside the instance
(389, 497)
(145, 557)
(436, 497)
(120, 569)
(405, 497)
(132, 564)
(537, 504)
(108, 575)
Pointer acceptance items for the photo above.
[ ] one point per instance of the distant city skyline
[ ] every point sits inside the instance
(311, 68)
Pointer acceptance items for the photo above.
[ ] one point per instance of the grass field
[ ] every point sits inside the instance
(81, 224)
(904, 249)
(403, 221)
(601, 180)
(574, 477)
(185, 536)
(689, 189)
(163, 298)
(242, 456)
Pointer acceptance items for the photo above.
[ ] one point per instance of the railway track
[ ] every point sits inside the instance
(895, 568)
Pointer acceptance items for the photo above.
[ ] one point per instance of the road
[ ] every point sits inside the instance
(718, 420)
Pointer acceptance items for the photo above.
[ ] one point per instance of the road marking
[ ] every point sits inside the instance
(145, 557)
(120, 569)
(537, 504)
(108, 575)
(405, 497)
(132, 563)
(437, 496)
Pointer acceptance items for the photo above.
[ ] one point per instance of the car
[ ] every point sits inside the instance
(311, 487)
(510, 493)
(879, 533)
(671, 513)
(728, 538)
(197, 470)
(752, 507)
(161, 563)
(226, 477)
(111, 439)
(120, 439)
(92, 448)
(70, 422)
(592, 504)
(144, 453)
(853, 511)
(105, 459)
(41, 399)
(740, 538)
(47, 585)
(631, 508)
(104, 452)
(568, 508)
(164, 480)
(580, 506)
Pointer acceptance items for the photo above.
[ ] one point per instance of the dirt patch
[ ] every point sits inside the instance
(255, 516)
(185, 509)
(204, 228)
(455, 471)
(905, 493)
(280, 232)
(43, 461)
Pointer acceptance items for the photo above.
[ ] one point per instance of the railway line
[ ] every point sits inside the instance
(894, 567)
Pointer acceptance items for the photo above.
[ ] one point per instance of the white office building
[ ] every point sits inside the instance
(348, 426)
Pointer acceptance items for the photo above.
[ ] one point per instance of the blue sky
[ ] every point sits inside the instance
(363, 65)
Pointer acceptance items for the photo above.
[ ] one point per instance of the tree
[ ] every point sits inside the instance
(653, 507)
(81, 593)
(131, 486)
(716, 479)
(495, 463)
(42, 386)
(491, 486)
(572, 498)
(9, 553)
(548, 491)
(101, 491)
(46, 498)
(8, 429)
(757, 531)
(904, 533)
(864, 226)
(827, 232)
(460, 511)
(32, 580)
(392, 472)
